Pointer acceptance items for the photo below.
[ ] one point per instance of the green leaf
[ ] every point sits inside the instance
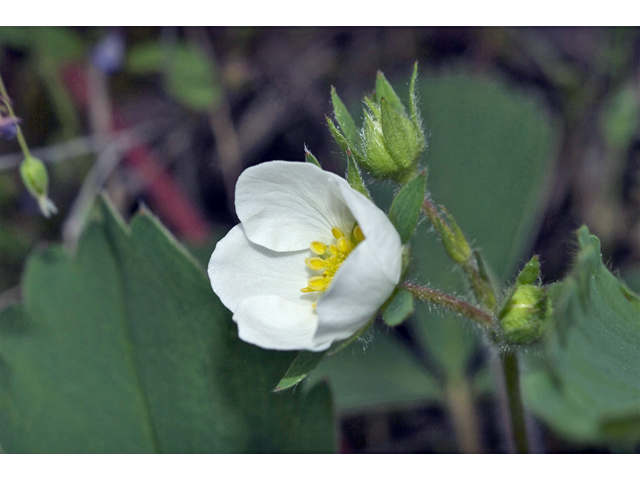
(620, 119)
(384, 90)
(125, 348)
(398, 309)
(586, 384)
(405, 209)
(304, 363)
(374, 373)
(188, 70)
(345, 120)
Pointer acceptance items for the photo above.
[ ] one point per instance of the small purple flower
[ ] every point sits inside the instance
(108, 54)
(9, 127)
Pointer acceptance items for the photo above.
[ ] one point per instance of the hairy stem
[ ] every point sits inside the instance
(449, 302)
(516, 410)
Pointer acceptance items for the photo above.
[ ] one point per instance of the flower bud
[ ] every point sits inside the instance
(392, 141)
(35, 178)
(525, 314)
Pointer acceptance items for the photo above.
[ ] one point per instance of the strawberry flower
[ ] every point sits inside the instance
(311, 262)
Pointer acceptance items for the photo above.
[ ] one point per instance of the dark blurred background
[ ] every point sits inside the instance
(105, 110)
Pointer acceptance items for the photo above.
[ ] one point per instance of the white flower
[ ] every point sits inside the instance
(310, 263)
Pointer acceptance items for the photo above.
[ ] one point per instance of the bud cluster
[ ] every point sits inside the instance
(391, 141)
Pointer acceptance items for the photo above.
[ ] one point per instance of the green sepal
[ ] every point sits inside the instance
(405, 209)
(453, 239)
(398, 308)
(530, 273)
(337, 135)
(384, 90)
(344, 119)
(413, 99)
(310, 157)
(353, 176)
(400, 138)
(302, 366)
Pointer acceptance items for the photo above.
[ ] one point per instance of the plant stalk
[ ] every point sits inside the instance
(516, 410)
(449, 302)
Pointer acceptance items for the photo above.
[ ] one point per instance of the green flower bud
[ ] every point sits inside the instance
(452, 237)
(525, 314)
(390, 142)
(36, 180)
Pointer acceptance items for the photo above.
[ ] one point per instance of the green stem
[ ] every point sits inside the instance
(21, 140)
(461, 254)
(463, 415)
(516, 410)
(449, 302)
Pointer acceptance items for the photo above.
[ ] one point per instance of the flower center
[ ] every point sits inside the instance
(329, 258)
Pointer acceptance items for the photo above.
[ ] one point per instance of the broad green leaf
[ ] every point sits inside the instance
(376, 372)
(188, 70)
(406, 207)
(345, 120)
(398, 309)
(586, 383)
(386, 91)
(304, 363)
(124, 348)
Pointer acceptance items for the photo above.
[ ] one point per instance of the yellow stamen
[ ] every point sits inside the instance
(314, 263)
(329, 258)
(357, 233)
(344, 245)
(336, 232)
(318, 248)
(318, 284)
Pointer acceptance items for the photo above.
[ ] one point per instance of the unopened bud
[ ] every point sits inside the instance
(525, 314)
(36, 180)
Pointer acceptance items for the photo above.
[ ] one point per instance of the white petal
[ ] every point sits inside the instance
(366, 279)
(378, 229)
(284, 206)
(275, 323)
(239, 269)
